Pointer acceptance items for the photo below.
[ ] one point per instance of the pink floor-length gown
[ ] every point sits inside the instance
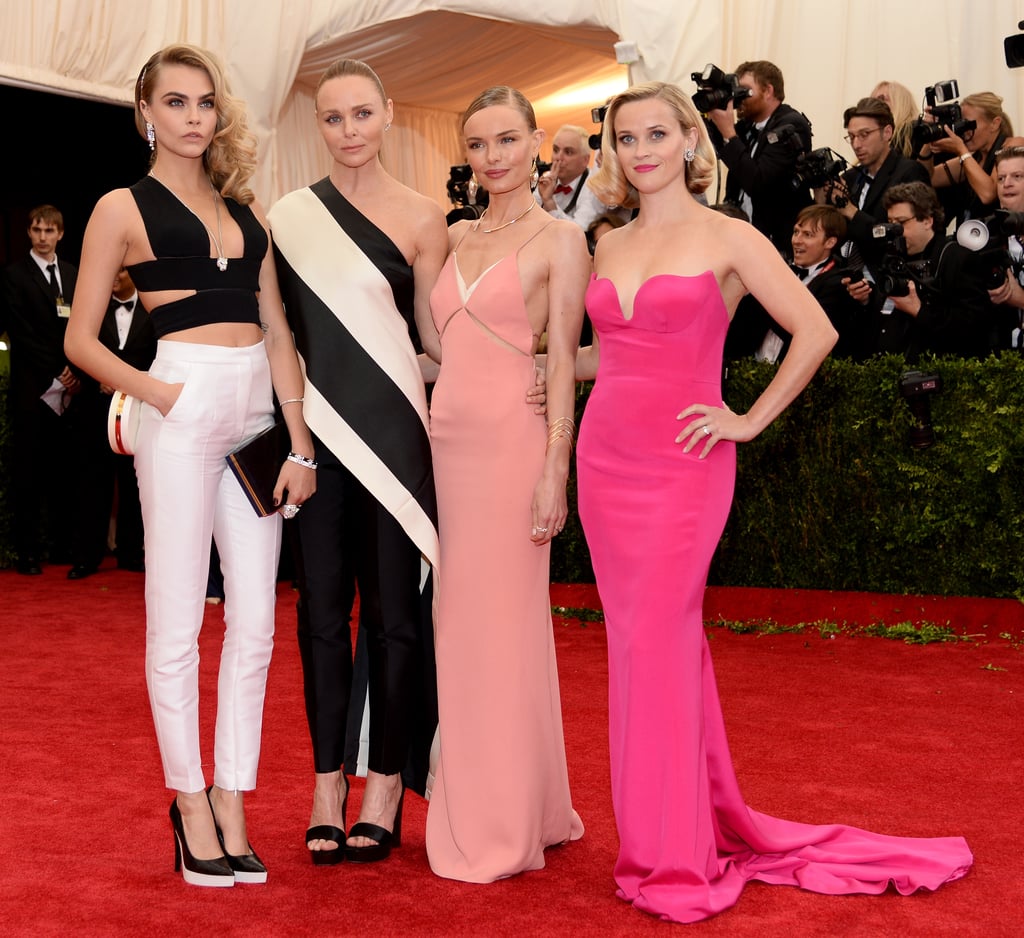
(652, 517)
(501, 792)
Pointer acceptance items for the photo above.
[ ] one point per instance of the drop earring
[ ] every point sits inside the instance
(150, 135)
(387, 126)
(688, 154)
(534, 174)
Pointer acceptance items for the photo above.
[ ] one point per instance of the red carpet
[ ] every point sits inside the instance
(906, 739)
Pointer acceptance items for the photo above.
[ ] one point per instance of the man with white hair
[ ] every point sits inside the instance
(562, 191)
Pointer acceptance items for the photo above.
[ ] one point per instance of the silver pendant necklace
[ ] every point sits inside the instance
(222, 261)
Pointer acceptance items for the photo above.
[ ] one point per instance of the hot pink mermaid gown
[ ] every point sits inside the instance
(501, 792)
(653, 516)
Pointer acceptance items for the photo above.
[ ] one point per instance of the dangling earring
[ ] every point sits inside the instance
(688, 154)
(150, 135)
(534, 174)
(387, 126)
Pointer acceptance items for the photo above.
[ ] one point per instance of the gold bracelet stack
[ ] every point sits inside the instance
(562, 428)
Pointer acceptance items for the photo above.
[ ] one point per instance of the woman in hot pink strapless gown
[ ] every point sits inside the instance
(501, 792)
(654, 494)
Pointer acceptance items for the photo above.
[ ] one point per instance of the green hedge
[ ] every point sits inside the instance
(832, 496)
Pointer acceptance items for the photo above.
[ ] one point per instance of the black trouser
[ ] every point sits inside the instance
(344, 538)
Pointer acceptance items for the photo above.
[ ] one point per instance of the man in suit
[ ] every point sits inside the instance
(128, 332)
(37, 292)
(860, 193)
(818, 231)
(940, 301)
(761, 150)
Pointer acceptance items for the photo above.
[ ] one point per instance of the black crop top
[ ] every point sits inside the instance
(181, 244)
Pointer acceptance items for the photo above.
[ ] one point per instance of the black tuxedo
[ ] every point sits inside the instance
(99, 465)
(40, 474)
(767, 175)
(854, 322)
(895, 169)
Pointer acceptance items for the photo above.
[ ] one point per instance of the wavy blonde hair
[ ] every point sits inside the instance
(230, 159)
(609, 182)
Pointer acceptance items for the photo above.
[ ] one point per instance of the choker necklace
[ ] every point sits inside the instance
(506, 224)
(222, 261)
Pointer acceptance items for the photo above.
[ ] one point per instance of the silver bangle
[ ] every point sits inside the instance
(293, 400)
(304, 461)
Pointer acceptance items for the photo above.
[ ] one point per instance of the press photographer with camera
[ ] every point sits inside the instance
(937, 290)
(760, 149)
(967, 135)
(1009, 294)
(860, 191)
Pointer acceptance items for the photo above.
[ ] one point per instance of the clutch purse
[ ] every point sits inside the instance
(123, 423)
(257, 464)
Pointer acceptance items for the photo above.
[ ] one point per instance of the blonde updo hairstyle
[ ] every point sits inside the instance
(345, 68)
(991, 105)
(230, 159)
(609, 182)
(498, 95)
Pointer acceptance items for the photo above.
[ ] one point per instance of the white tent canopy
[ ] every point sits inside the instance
(435, 56)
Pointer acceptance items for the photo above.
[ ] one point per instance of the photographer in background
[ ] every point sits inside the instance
(938, 289)
(1009, 295)
(562, 191)
(817, 233)
(965, 175)
(761, 150)
(860, 192)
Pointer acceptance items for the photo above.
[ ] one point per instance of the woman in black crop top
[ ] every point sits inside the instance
(197, 245)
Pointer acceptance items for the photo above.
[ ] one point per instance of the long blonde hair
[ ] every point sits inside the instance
(609, 182)
(904, 111)
(230, 159)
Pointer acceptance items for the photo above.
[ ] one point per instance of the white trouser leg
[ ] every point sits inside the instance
(187, 492)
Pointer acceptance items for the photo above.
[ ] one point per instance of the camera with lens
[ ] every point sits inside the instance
(941, 98)
(466, 195)
(715, 89)
(895, 272)
(818, 168)
(597, 115)
(917, 388)
(987, 237)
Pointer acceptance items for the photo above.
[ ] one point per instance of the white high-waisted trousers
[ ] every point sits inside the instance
(189, 494)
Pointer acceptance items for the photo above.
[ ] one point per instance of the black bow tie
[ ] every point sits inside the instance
(127, 304)
(801, 272)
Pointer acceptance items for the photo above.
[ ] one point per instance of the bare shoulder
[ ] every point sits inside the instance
(565, 235)
(414, 203)
(114, 202)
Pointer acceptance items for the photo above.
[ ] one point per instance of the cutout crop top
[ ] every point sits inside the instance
(181, 244)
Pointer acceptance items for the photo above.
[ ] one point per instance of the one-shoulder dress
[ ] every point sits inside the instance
(501, 792)
(653, 516)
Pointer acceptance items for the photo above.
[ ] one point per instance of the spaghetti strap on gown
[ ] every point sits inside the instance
(653, 516)
(501, 792)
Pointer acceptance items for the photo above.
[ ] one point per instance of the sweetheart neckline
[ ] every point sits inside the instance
(618, 300)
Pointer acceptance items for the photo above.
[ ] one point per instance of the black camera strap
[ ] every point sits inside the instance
(571, 205)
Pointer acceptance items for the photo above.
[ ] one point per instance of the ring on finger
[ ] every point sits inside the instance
(707, 430)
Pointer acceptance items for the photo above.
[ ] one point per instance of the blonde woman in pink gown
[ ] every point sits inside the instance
(656, 467)
(501, 793)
